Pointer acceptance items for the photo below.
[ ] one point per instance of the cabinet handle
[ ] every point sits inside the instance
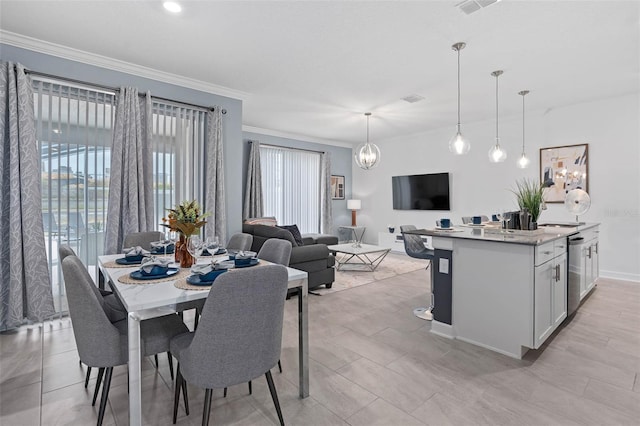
(557, 273)
(547, 252)
(597, 247)
(590, 252)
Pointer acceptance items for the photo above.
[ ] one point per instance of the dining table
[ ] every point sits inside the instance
(151, 300)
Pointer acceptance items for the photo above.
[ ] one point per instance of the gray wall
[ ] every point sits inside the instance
(340, 165)
(232, 121)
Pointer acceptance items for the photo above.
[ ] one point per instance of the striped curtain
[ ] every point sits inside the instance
(291, 184)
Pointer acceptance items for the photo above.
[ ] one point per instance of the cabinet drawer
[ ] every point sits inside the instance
(544, 253)
(559, 247)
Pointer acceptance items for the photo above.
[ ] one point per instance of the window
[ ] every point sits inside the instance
(291, 186)
(74, 132)
(73, 129)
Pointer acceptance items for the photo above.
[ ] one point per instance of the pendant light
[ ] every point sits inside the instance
(458, 144)
(367, 155)
(523, 161)
(497, 154)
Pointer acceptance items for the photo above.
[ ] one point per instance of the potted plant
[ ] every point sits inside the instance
(529, 194)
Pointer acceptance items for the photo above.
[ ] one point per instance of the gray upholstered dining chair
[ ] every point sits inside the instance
(240, 241)
(239, 336)
(100, 342)
(109, 302)
(275, 250)
(142, 239)
(414, 246)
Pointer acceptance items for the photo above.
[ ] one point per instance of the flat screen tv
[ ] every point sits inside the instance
(421, 192)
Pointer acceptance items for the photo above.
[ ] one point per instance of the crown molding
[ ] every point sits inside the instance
(295, 136)
(30, 43)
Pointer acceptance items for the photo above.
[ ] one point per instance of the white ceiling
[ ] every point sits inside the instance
(313, 68)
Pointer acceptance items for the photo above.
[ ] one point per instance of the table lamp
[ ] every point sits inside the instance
(353, 205)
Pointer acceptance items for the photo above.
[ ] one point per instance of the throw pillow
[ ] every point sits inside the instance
(295, 232)
(267, 220)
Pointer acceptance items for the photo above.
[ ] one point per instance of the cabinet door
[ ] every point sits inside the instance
(559, 286)
(543, 311)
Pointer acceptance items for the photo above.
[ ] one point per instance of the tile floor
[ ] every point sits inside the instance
(372, 363)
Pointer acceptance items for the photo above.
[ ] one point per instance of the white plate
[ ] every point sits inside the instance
(444, 229)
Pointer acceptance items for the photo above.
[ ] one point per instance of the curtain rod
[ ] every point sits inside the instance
(112, 89)
(288, 147)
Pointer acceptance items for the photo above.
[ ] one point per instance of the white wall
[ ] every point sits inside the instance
(611, 127)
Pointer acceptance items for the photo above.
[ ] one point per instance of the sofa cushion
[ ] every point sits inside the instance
(295, 232)
(321, 239)
(309, 253)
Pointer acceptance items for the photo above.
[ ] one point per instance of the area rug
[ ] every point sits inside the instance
(392, 265)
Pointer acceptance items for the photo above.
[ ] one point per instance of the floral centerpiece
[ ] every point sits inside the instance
(186, 219)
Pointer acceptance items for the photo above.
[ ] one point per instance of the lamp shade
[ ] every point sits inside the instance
(354, 205)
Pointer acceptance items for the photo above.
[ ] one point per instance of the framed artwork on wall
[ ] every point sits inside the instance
(563, 168)
(337, 187)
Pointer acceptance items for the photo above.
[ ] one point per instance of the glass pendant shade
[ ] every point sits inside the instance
(458, 144)
(523, 161)
(497, 154)
(367, 155)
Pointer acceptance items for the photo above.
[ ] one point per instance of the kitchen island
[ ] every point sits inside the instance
(500, 289)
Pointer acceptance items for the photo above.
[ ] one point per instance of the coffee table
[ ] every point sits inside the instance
(367, 255)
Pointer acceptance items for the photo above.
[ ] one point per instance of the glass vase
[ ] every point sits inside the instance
(182, 255)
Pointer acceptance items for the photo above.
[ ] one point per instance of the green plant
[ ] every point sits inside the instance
(529, 194)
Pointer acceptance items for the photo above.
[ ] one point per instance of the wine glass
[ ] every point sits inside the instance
(212, 244)
(504, 217)
(195, 245)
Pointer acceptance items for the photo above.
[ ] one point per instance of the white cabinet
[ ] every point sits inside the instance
(550, 290)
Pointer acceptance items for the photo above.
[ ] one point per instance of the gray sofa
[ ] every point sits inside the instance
(312, 257)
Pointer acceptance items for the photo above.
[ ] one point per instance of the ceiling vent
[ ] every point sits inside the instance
(413, 98)
(470, 6)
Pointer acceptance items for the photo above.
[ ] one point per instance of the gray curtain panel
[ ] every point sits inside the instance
(25, 284)
(253, 201)
(325, 193)
(131, 184)
(215, 188)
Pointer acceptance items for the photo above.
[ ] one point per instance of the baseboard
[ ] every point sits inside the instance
(442, 329)
(620, 276)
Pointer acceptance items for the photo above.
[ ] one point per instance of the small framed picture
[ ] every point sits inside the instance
(337, 187)
(563, 168)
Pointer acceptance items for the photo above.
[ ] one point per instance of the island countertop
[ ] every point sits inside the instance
(544, 234)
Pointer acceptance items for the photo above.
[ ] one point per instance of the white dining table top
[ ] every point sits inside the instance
(138, 297)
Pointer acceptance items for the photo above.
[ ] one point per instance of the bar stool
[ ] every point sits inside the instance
(414, 246)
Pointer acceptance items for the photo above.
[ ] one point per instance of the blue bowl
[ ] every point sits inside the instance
(210, 276)
(156, 270)
(136, 258)
(242, 262)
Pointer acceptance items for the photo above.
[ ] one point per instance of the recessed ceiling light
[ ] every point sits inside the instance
(413, 98)
(172, 6)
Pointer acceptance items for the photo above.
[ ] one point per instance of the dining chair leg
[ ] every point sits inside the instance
(185, 396)
(250, 390)
(156, 358)
(195, 322)
(279, 366)
(86, 379)
(97, 389)
(274, 396)
(176, 395)
(225, 393)
(170, 358)
(105, 394)
(207, 408)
